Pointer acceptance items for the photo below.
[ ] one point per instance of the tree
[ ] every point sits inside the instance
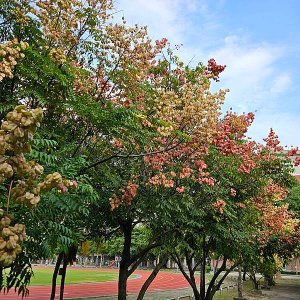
(236, 171)
(138, 130)
(58, 73)
(22, 184)
(175, 112)
(276, 235)
(293, 199)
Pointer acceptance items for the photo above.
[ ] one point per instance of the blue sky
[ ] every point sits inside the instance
(258, 40)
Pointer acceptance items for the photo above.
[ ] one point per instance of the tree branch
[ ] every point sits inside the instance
(135, 265)
(178, 261)
(196, 265)
(126, 156)
(216, 275)
(189, 262)
(143, 252)
(225, 275)
(151, 278)
(81, 142)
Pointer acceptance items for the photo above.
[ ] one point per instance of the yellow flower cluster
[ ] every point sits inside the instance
(65, 21)
(21, 192)
(10, 52)
(58, 56)
(18, 128)
(194, 111)
(22, 10)
(10, 239)
(15, 136)
(128, 45)
(6, 171)
(291, 224)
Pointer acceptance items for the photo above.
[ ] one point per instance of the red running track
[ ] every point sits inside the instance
(163, 281)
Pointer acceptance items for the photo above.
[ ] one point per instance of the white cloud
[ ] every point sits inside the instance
(171, 19)
(281, 84)
(165, 18)
(252, 74)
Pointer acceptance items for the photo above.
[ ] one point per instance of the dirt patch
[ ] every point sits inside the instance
(282, 291)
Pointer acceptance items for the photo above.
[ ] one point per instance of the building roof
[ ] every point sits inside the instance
(297, 176)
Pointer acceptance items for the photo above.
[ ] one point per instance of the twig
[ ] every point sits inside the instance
(8, 197)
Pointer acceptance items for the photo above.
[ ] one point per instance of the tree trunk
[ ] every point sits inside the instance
(210, 295)
(63, 277)
(55, 273)
(213, 287)
(202, 281)
(254, 281)
(151, 278)
(216, 266)
(244, 275)
(240, 283)
(192, 268)
(125, 261)
(122, 287)
(269, 280)
(191, 277)
(202, 271)
(193, 284)
(196, 292)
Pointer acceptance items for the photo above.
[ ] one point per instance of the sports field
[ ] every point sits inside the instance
(43, 276)
(89, 282)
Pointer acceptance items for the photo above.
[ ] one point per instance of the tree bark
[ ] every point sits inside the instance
(210, 293)
(202, 270)
(193, 284)
(240, 283)
(212, 287)
(151, 278)
(122, 287)
(253, 279)
(63, 277)
(191, 277)
(55, 273)
(125, 261)
(192, 268)
(244, 275)
(269, 281)
(128, 263)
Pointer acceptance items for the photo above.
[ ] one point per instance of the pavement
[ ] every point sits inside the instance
(165, 286)
(282, 291)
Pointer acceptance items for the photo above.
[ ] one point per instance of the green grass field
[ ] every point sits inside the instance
(43, 276)
(287, 280)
